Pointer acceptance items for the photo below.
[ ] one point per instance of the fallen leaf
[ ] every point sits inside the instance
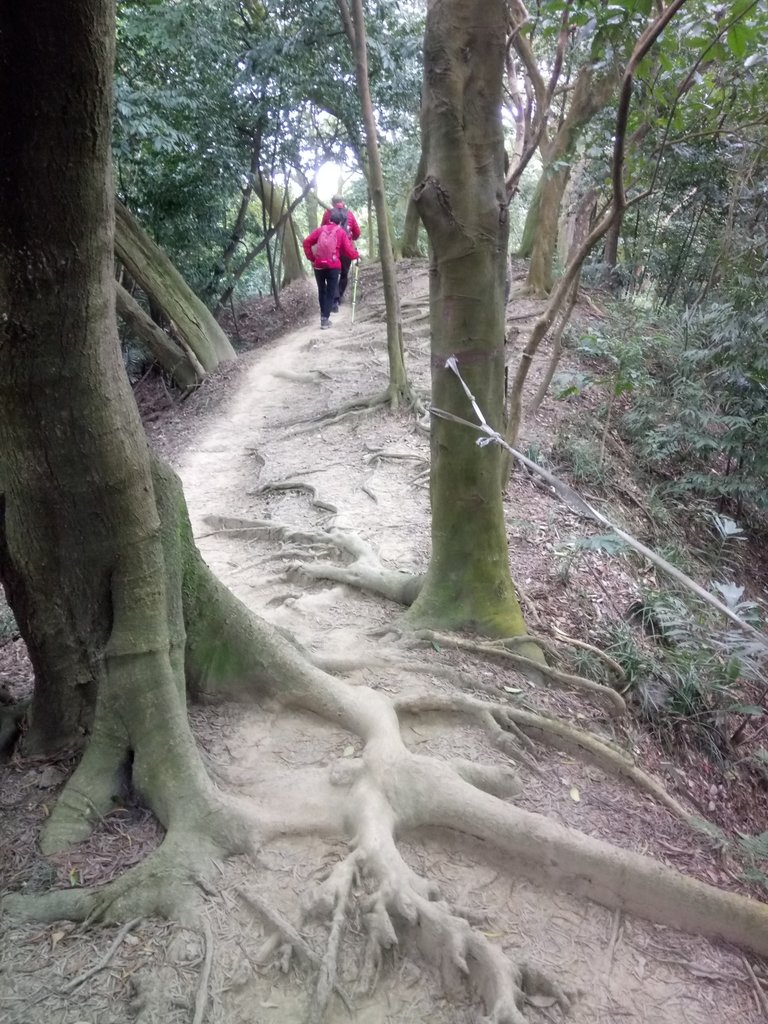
(348, 751)
(132, 940)
(513, 689)
(575, 795)
(56, 937)
(494, 935)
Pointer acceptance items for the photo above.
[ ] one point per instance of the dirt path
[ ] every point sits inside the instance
(619, 969)
(625, 969)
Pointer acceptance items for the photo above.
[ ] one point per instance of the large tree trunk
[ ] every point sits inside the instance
(150, 267)
(82, 552)
(462, 202)
(183, 367)
(276, 205)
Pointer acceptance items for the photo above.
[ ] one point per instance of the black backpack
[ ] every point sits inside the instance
(344, 222)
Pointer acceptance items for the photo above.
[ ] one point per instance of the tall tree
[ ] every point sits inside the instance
(353, 19)
(462, 202)
(82, 552)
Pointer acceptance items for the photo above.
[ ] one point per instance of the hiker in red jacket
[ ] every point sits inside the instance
(350, 225)
(326, 247)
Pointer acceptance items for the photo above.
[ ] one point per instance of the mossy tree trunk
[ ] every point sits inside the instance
(462, 202)
(151, 268)
(94, 577)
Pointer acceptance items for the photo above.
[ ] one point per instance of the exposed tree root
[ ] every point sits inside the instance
(302, 487)
(387, 791)
(552, 732)
(202, 994)
(378, 455)
(331, 900)
(532, 669)
(338, 414)
(364, 571)
(607, 660)
(287, 940)
(105, 960)
(310, 377)
(392, 790)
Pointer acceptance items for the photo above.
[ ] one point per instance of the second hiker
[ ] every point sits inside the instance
(327, 247)
(350, 225)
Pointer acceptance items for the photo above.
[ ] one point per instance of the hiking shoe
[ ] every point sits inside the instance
(335, 307)
(325, 323)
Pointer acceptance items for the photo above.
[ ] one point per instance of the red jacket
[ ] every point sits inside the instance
(343, 245)
(354, 229)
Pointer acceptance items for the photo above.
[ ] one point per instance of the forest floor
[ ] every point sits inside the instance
(250, 446)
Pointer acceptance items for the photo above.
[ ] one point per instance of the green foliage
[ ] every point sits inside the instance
(210, 92)
(704, 423)
(681, 686)
(581, 457)
(568, 554)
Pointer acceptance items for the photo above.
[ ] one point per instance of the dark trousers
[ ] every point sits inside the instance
(346, 263)
(327, 283)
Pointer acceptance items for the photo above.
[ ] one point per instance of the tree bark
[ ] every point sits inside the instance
(462, 202)
(183, 367)
(409, 243)
(611, 249)
(541, 266)
(150, 267)
(531, 225)
(540, 231)
(83, 554)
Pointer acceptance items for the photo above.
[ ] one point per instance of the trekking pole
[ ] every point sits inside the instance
(354, 288)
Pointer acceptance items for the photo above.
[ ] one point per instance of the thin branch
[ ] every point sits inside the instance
(201, 996)
(81, 978)
(348, 23)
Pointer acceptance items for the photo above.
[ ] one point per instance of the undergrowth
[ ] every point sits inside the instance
(679, 404)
